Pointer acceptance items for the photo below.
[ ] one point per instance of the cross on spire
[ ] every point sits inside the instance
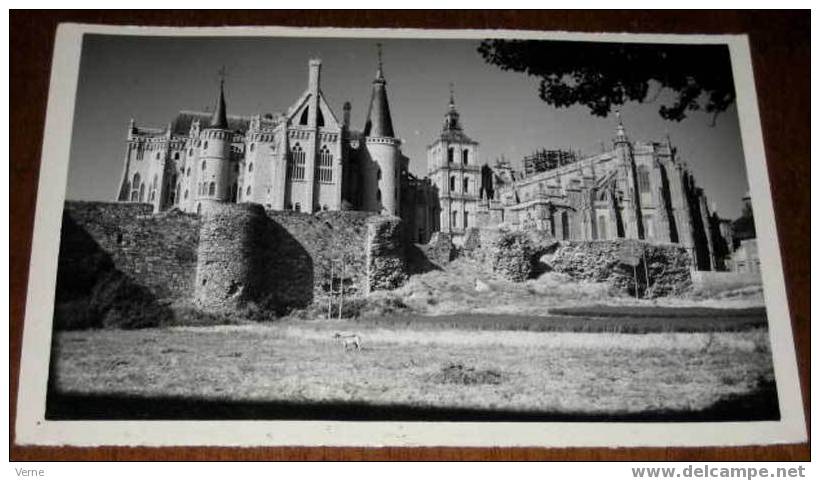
(379, 72)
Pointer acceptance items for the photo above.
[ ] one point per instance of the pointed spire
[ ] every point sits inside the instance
(620, 135)
(451, 121)
(379, 123)
(220, 117)
(380, 69)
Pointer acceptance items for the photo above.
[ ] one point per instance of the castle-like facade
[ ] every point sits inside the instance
(304, 160)
(307, 160)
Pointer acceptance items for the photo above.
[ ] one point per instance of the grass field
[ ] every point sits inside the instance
(422, 370)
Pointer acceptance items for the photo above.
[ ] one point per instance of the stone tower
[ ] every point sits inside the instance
(381, 166)
(452, 164)
(215, 155)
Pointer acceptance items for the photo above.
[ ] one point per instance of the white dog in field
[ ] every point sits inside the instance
(349, 341)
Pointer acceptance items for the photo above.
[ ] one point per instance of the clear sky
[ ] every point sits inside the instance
(151, 78)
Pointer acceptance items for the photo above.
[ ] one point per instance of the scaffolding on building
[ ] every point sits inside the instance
(543, 160)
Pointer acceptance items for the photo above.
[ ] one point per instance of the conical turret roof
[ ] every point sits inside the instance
(379, 123)
(220, 117)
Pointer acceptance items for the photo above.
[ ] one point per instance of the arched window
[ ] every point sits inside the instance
(157, 156)
(142, 192)
(250, 167)
(454, 219)
(252, 147)
(320, 119)
(466, 185)
(465, 156)
(205, 146)
(466, 220)
(248, 192)
(325, 165)
(176, 155)
(234, 192)
(303, 120)
(186, 194)
(450, 154)
(135, 185)
(191, 152)
(212, 189)
(452, 183)
(379, 195)
(643, 179)
(203, 166)
(296, 163)
(188, 173)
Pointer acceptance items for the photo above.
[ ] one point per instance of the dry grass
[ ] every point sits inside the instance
(555, 372)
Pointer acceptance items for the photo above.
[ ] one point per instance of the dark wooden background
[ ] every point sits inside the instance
(781, 55)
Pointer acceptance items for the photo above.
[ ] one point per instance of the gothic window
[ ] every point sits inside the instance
(450, 154)
(325, 165)
(465, 156)
(248, 192)
(252, 147)
(466, 220)
(304, 119)
(466, 184)
(142, 192)
(186, 194)
(452, 184)
(296, 163)
(212, 189)
(320, 119)
(203, 166)
(135, 185)
(643, 179)
(250, 167)
(453, 219)
(205, 146)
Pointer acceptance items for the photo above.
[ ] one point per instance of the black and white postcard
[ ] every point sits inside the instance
(273, 236)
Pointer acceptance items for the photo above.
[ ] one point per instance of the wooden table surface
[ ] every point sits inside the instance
(780, 45)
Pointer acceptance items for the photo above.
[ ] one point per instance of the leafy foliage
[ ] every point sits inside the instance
(602, 75)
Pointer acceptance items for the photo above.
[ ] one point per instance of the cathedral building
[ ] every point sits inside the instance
(636, 190)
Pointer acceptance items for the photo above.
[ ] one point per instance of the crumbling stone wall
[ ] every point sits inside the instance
(155, 251)
(661, 270)
(120, 266)
(511, 256)
(386, 267)
(232, 263)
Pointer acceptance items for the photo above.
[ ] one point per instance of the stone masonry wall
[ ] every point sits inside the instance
(662, 269)
(155, 251)
(386, 266)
